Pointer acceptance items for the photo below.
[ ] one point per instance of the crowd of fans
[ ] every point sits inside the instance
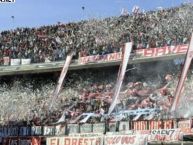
(92, 37)
(27, 100)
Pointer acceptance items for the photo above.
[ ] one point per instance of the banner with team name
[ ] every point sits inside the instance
(75, 140)
(125, 139)
(97, 58)
(140, 53)
(162, 135)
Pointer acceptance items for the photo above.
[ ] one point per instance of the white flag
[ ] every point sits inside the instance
(121, 74)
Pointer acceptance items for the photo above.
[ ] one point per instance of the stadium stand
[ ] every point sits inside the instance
(147, 30)
(148, 88)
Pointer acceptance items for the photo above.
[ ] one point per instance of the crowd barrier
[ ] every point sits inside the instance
(114, 133)
(127, 138)
(66, 129)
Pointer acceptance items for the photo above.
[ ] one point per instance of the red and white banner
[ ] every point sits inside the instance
(180, 85)
(97, 58)
(125, 140)
(168, 124)
(121, 75)
(140, 53)
(167, 50)
(22, 141)
(140, 125)
(165, 135)
(98, 140)
(183, 124)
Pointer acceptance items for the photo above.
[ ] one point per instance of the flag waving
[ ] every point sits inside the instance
(189, 56)
(121, 74)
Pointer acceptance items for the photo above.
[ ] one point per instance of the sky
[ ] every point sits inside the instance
(35, 13)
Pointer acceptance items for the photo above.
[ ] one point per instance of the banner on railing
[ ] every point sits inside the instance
(15, 61)
(22, 141)
(125, 140)
(140, 125)
(183, 124)
(72, 128)
(24, 131)
(9, 131)
(98, 140)
(165, 135)
(60, 129)
(97, 58)
(140, 53)
(49, 130)
(12, 131)
(99, 127)
(113, 126)
(6, 60)
(25, 61)
(86, 128)
(167, 50)
(36, 130)
(124, 126)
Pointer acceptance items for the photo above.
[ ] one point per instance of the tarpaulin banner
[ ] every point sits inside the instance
(49, 130)
(9, 131)
(168, 124)
(24, 131)
(99, 127)
(183, 124)
(125, 139)
(6, 60)
(113, 126)
(12, 131)
(22, 141)
(162, 51)
(140, 53)
(36, 130)
(140, 125)
(15, 61)
(96, 58)
(124, 126)
(73, 128)
(98, 140)
(86, 128)
(165, 135)
(60, 129)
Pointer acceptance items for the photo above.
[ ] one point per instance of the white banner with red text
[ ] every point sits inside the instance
(140, 53)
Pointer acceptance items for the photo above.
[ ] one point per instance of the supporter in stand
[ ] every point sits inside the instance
(85, 92)
(98, 37)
